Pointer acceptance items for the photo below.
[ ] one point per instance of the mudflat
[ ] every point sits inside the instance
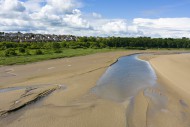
(58, 93)
(72, 106)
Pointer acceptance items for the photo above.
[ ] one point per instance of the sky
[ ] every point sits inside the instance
(124, 18)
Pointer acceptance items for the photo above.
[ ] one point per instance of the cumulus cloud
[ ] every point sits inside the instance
(12, 5)
(115, 26)
(167, 23)
(75, 20)
(66, 17)
(33, 5)
(35, 14)
(164, 27)
(12, 9)
(62, 6)
(133, 29)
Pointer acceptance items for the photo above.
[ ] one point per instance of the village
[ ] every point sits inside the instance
(31, 37)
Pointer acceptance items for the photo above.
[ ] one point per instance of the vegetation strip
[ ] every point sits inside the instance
(21, 52)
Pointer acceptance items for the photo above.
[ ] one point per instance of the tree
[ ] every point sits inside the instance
(10, 52)
(22, 50)
(56, 45)
(38, 52)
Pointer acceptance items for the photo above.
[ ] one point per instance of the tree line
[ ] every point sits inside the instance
(140, 42)
(100, 42)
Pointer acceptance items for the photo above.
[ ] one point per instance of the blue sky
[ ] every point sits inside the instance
(154, 18)
(130, 9)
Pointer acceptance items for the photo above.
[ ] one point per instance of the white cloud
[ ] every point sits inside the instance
(33, 5)
(167, 23)
(164, 27)
(116, 26)
(133, 29)
(12, 5)
(62, 6)
(75, 20)
(65, 17)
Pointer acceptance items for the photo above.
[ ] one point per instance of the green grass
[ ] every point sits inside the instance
(23, 58)
(48, 54)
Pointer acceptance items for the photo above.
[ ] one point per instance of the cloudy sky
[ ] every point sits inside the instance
(154, 18)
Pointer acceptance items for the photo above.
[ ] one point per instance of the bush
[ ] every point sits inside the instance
(38, 52)
(56, 45)
(10, 52)
(22, 50)
(48, 45)
(28, 52)
(57, 51)
(7, 45)
(64, 45)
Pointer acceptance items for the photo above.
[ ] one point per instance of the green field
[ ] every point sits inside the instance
(47, 54)
(22, 53)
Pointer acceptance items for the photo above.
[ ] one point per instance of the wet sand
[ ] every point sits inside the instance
(76, 106)
(173, 73)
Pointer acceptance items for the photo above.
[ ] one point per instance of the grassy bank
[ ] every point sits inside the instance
(49, 54)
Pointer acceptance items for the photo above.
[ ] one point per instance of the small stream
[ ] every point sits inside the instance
(124, 79)
(133, 83)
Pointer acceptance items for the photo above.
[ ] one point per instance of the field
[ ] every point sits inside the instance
(23, 58)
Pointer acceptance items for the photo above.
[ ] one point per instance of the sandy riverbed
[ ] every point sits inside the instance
(173, 73)
(75, 106)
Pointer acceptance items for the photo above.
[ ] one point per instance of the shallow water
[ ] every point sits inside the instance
(125, 79)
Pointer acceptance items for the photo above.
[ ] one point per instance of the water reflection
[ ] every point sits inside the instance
(125, 78)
